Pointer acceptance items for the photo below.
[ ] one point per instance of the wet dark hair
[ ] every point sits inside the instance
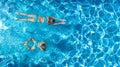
(44, 46)
(51, 20)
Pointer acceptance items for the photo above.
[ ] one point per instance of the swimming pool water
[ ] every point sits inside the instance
(90, 37)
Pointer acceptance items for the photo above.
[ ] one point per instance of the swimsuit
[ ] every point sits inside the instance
(51, 20)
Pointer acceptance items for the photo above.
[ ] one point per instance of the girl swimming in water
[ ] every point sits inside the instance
(50, 20)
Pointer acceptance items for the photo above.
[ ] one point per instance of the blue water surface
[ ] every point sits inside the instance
(90, 37)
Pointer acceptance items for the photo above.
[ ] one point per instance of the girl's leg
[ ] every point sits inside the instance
(59, 19)
(30, 48)
(26, 44)
(31, 19)
(59, 23)
(26, 19)
(24, 14)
